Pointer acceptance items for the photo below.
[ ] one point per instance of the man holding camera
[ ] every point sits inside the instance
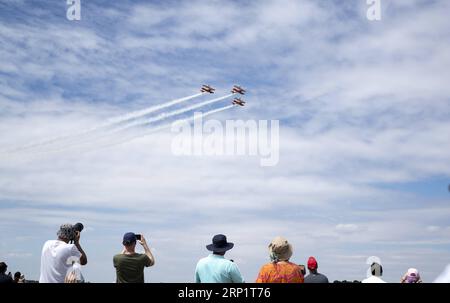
(57, 255)
(129, 264)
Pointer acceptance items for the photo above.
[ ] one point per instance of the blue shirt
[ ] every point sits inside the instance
(217, 269)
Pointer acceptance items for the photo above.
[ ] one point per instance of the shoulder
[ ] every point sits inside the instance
(117, 256)
(230, 264)
(61, 246)
(267, 267)
(49, 243)
(322, 277)
(143, 257)
(292, 265)
(289, 267)
(203, 260)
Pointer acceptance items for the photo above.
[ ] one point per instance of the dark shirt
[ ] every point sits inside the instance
(130, 268)
(5, 279)
(316, 278)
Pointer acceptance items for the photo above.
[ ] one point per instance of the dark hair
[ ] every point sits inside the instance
(3, 267)
(128, 243)
(17, 275)
(377, 269)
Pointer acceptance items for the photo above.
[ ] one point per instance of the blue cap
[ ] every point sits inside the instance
(129, 238)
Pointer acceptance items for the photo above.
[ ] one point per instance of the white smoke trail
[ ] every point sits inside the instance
(146, 132)
(109, 123)
(149, 110)
(165, 115)
(161, 117)
(88, 146)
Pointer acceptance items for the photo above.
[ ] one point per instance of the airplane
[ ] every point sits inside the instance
(207, 89)
(238, 90)
(238, 101)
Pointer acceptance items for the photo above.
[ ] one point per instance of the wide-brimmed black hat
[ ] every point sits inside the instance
(219, 244)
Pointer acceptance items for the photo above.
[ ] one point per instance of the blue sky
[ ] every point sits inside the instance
(365, 132)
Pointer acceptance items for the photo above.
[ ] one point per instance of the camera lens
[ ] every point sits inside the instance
(78, 227)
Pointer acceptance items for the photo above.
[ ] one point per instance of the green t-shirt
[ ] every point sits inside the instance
(130, 268)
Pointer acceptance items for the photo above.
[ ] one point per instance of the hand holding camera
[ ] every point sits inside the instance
(78, 227)
(141, 240)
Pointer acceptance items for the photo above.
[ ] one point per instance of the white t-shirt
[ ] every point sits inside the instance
(444, 277)
(373, 279)
(56, 258)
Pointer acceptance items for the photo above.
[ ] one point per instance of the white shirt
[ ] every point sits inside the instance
(444, 277)
(56, 258)
(373, 279)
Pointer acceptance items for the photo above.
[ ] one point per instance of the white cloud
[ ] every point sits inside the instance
(347, 228)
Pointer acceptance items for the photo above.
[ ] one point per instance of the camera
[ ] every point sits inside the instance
(138, 237)
(78, 227)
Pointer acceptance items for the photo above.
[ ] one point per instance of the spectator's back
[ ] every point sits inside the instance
(130, 268)
(217, 269)
(55, 260)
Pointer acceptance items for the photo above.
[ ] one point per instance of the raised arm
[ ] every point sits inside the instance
(147, 250)
(83, 258)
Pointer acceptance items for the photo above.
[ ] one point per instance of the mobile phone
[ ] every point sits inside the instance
(138, 237)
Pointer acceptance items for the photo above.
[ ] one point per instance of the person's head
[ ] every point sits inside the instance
(17, 276)
(219, 245)
(376, 269)
(3, 267)
(129, 240)
(312, 264)
(66, 232)
(280, 250)
(412, 275)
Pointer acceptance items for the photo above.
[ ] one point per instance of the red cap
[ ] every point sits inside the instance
(312, 263)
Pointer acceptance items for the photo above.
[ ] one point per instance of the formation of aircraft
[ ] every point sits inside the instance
(238, 101)
(235, 90)
(207, 89)
(238, 90)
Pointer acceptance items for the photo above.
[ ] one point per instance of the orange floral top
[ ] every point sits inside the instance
(281, 272)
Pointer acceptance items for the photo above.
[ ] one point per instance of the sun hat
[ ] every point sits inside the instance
(219, 244)
(280, 249)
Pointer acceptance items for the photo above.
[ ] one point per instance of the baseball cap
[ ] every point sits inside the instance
(129, 238)
(412, 275)
(312, 263)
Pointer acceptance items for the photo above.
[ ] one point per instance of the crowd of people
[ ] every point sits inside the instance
(63, 258)
(8, 278)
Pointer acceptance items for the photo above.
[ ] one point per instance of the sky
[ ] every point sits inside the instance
(363, 108)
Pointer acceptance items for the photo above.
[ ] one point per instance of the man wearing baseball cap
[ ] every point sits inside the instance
(314, 276)
(129, 264)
